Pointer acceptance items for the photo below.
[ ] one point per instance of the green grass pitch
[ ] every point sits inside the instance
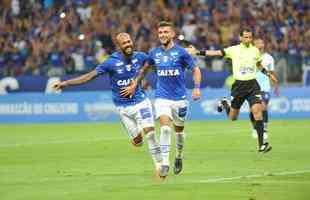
(96, 161)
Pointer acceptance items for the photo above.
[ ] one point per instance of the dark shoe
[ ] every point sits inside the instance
(222, 104)
(178, 165)
(265, 148)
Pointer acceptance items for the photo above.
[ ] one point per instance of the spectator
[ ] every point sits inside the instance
(29, 30)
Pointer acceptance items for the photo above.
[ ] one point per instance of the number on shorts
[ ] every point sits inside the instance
(145, 113)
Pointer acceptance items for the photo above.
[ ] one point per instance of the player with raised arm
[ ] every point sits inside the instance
(135, 112)
(170, 62)
(246, 58)
(264, 83)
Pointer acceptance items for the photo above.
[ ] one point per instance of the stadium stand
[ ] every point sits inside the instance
(53, 38)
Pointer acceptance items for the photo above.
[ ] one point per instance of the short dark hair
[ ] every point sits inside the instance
(246, 29)
(164, 23)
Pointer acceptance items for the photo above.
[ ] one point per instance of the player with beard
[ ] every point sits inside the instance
(135, 112)
(171, 105)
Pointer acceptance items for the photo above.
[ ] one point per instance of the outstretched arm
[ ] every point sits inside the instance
(197, 80)
(194, 52)
(76, 81)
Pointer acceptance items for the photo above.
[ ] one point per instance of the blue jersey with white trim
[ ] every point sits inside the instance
(171, 66)
(122, 71)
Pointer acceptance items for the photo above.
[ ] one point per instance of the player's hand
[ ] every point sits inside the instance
(129, 90)
(60, 85)
(275, 83)
(273, 79)
(191, 50)
(196, 94)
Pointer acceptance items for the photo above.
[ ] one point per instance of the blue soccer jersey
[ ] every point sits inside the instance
(170, 67)
(122, 71)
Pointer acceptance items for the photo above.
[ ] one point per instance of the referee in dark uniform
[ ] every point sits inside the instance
(246, 58)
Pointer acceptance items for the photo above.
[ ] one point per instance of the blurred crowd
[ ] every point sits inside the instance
(57, 37)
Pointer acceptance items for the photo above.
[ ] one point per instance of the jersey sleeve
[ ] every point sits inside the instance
(188, 60)
(229, 52)
(103, 67)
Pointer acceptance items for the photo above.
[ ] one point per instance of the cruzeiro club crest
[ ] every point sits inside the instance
(165, 58)
(128, 67)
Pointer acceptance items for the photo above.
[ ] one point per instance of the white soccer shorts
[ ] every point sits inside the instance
(175, 110)
(136, 117)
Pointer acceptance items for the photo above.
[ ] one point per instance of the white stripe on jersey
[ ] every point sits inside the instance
(262, 79)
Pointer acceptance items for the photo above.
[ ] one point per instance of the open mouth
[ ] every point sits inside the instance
(164, 41)
(127, 48)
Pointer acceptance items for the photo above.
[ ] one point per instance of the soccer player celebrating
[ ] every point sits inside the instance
(135, 112)
(245, 59)
(170, 62)
(264, 83)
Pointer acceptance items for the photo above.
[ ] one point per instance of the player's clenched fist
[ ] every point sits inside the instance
(196, 94)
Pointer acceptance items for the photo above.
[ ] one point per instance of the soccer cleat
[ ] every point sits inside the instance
(136, 144)
(137, 141)
(220, 107)
(178, 165)
(221, 104)
(164, 171)
(265, 148)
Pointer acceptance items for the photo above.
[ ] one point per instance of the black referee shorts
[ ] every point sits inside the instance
(245, 90)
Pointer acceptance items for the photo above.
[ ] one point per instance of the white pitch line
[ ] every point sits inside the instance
(223, 179)
(305, 182)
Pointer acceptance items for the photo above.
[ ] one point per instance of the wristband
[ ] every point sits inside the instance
(201, 53)
(264, 71)
(223, 52)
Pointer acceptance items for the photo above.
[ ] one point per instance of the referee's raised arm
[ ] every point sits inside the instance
(194, 52)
